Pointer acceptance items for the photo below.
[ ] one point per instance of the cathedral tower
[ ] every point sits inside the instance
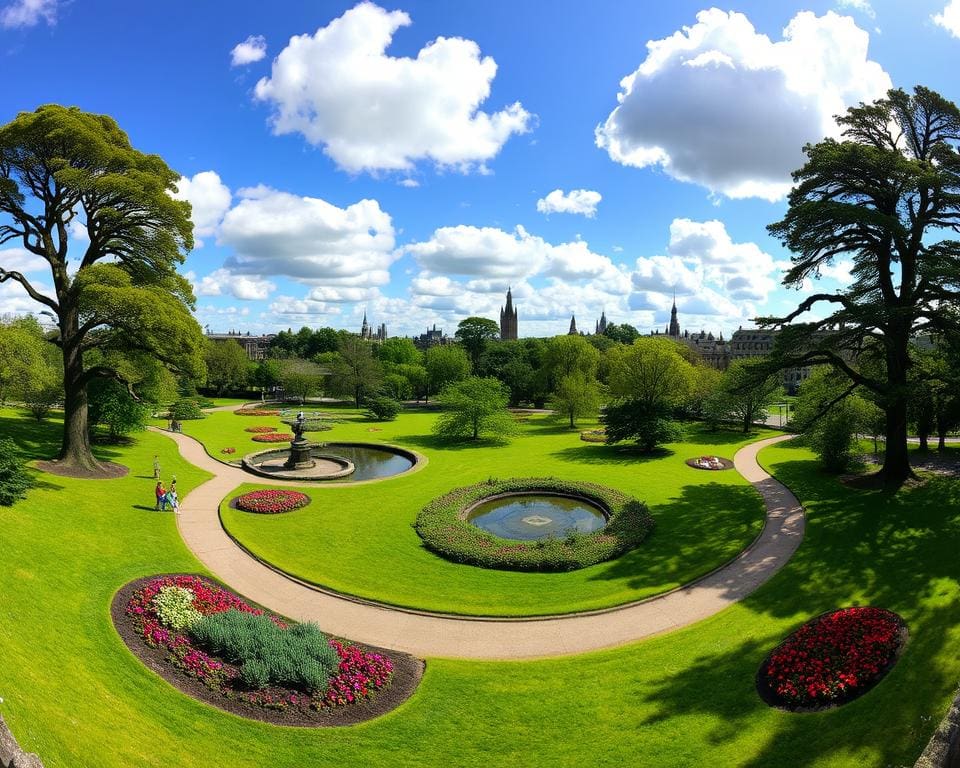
(508, 319)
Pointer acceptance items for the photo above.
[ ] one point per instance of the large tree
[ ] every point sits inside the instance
(228, 367)
(355, 371)
(882, 197)
(117, 290)
(475, 407)
(474, 333)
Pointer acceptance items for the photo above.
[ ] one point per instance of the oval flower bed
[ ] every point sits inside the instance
(260, 429)
(444, 531)
(594, 435)
(271, 501)
(257, 412)
(177, 624)
(272, 437)
(832, 659)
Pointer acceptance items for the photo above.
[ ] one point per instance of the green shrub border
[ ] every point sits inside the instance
(444, 530)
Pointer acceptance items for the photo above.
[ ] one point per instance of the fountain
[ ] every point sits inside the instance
(300, 448)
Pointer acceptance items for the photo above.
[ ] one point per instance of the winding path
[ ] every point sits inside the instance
(424, 634)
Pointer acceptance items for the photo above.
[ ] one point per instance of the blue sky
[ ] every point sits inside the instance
(411, 160)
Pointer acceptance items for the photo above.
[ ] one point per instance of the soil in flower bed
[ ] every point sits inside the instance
(272, 437)
(407, 671)
(260, 429)
(271, 501)
(832, 659)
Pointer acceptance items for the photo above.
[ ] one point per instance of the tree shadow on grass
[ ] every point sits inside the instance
(437, 443)
(600, 453)
(722, 436)
(693, 531)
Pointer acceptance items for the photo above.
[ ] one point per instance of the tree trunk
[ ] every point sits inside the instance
(75, 449)
(571, 419)
(896, 460)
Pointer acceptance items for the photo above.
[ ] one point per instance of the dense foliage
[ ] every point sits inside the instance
(474, 408)
(15, 480)
(383, 408)
(186, 410)
(441, 526)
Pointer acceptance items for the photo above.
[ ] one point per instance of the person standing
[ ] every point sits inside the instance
(161, 494)
(174, 501)
(156, 467)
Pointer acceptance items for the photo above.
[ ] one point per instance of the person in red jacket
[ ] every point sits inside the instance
(161, 497)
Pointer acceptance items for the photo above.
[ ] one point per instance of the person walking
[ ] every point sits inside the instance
(174, 501)
(156, 467)
(161, 494)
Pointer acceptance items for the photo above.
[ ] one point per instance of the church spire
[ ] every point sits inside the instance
(573, 326)
(674, 329)
(508, 319)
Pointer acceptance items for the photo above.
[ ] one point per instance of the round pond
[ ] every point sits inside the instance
(536, 516)
(343, 462)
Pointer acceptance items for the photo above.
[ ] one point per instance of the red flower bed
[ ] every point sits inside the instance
(359, 674)
(833, 658)
(260, 429)
(257, 412)
(272, 437)
(228, 450)
(271, 502)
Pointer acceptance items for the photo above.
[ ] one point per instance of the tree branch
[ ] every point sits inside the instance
(31, 291)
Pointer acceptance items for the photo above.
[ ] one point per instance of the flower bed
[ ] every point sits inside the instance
(594, 436)
(358, 678)
(272, 437)
(441, 526)
(710, 463)
(257, 412)
(228, 450)
(260, 430)
(271, 501)
(832, 659)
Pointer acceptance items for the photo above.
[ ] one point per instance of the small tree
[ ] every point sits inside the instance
(15, 479)
(112, 405)
(382, 408)
(745, 395)
(576, 397)
(474, 407)
(634, 419)
(355, 371)
(570, 356)
(228, 366)
(301, 379)
(829, 415)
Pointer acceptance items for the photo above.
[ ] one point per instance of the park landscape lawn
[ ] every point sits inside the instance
(360, 540)
(74, 694)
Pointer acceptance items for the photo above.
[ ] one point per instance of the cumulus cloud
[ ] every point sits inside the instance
(221, 282)
(371, 111)
(582, 201)
(21, 260)
(28, 13)
(209, 200)
(489, 252)
(308, 239)
(949, 18)
(723, 106)
(863, 6)
(254, 48)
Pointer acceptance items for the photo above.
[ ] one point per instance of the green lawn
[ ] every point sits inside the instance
(360, 539)
(74, 694)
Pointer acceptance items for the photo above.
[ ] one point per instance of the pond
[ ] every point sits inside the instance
(536, 516)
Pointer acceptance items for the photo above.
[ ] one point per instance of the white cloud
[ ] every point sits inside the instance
(222, 281)
(28, 13)
(308, 239)
(582, 201)
(371, 111)
(949, 18)
(722, 106)
(209, 199)
(859, 5)
(409, 183)
(254, 48)
(21, 260)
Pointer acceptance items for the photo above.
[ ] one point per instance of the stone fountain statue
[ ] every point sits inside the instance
(300, 448)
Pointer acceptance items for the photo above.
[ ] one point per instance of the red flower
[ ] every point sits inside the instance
(272, 501)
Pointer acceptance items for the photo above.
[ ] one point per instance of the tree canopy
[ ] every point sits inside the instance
(117, 291)
(474, 407)
(886, 197)
(474, 333)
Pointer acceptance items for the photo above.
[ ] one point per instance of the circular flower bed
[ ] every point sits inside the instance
(260, 429)
(169, 621)
(228, 450)
(710, 463)
(444, 531)
(271, 501)
(832, 659)
(272, 437)
(257, 412)
(594, 436)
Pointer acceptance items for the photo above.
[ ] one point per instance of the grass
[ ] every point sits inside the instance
(74, 694)
(360, 540)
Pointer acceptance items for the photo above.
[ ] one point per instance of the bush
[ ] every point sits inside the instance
(443, 530)
(174, 608)
(14, 478)
(186, 410)
(382, 408)
(633, 419)
(300, 656)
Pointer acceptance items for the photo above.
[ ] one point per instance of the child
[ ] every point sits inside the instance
(174, 501)
(161, 493)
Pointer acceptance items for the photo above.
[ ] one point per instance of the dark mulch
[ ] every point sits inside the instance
(727, 464)
(769, 695)
(407, 671)
(108, 470)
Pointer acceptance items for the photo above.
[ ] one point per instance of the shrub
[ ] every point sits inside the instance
(186, 410)
(272, 501)
(14, 478)
(443, 530)
(300, 656)
(633, 419)
(382, 408)
(174, 608)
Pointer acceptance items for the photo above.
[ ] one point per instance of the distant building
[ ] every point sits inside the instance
(432, 338)
(508, 319)
(573, 326)
(601, 325)
(256, 347)
(367, 332)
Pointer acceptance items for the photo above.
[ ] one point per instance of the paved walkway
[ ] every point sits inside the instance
(427, 635)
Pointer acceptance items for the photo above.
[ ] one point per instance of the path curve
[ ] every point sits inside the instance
(426, 635)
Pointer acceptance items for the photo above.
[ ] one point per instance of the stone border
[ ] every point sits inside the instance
(727, 464)
(770, 698)
(595, 503)
(407, 673)
(11, 755)
(943, 750)
(346, 466)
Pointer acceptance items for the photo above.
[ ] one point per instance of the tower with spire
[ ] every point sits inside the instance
(601, 324)
(573, 326)
(674, 329)
(365, 328)
(508, 319)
